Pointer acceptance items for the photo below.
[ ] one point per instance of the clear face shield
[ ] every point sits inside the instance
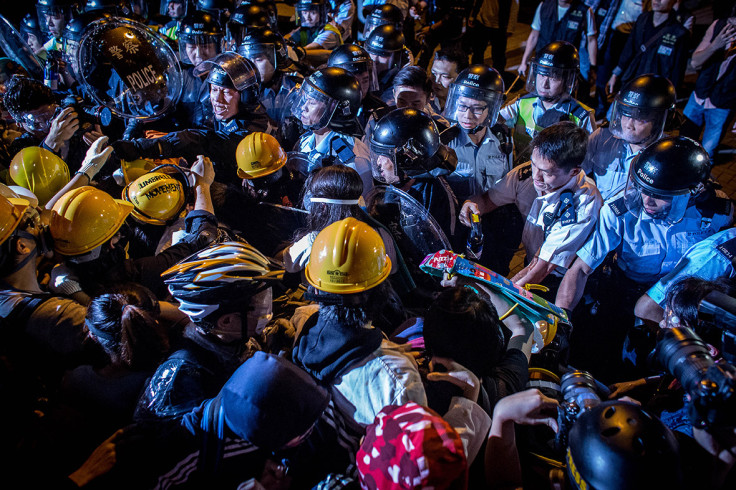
(263, 56)
(175, 9)
(313, 107)
(196, 49)
(382, 63)
(470, 108)
(365, 72)
(646, 204)
(71, 54)
(637, 126)
(371, 23)
(52, 20)
(309, 17)
(387, 163)
(550, 83)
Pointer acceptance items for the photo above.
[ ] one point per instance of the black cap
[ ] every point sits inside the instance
(558, 54)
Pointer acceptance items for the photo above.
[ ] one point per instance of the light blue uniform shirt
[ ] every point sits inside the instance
(647, 248)
(708, 259)
(361, 161)
(607, 161)
(478, 167)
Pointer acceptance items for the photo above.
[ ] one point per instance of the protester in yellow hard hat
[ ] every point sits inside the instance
(87, 227)
(262, 164)
(160, 196)
(347, 271)
(39, 171)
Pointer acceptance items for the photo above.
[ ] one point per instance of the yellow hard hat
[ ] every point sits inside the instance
(157, 198)
(39, 171)
(134, 169)
(347, 257)
(85, 218)
(258, 155)
(11, 214)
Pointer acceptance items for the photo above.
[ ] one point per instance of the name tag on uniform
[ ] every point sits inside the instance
(650, 248)
(573, 25)
(664, 50)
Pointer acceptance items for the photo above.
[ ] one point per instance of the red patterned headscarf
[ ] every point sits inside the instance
(411, 447)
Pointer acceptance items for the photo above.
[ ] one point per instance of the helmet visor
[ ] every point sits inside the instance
(645, 204)
(471, 107)
(313, 107)
(549, 82)
(371, 23)
(256, 52)
(383, 164)
(636, 125)
(52, 20)
(195, 49)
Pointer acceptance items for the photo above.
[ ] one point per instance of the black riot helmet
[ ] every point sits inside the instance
(184, 4)
(558, 60)
(72, 36)
(387, 41)
(403, 141)
(382, 15)
(269, 6)
(245, 19)
(619, 445)
(320, 6)
(673, 170)
(99, 7)
(201, 30)
(646, 98)
(331, 98)
(29, 25)
(484, 86)
(357, 61)
(219, 9)
(265, 42)
(230, 70)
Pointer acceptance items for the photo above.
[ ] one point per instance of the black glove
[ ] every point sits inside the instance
(126, 150)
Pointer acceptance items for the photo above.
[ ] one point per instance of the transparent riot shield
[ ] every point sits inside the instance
(16, 49)
(129, 68)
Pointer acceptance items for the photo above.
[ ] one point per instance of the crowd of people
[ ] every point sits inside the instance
(242, 249)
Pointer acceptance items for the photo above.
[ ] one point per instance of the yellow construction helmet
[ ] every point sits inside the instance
(11, 214)
(39, 171)
(134, 169)
(347, 257)
(156, 197)
(85, 218)
(258, 155)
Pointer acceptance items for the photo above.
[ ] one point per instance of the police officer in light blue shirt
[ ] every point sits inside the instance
(484, 150)
(327, 105)
(639, 115)
(664, 210)
(708, 259)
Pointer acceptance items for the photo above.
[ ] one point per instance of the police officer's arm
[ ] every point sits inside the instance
(534, 273)
(647, 309)
(531, 43)
(479, 205)
(573, 284)
(626, 55)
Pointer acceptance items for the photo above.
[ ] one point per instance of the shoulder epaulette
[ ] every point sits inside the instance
(618, 206)
(525, 171)
(728, 250)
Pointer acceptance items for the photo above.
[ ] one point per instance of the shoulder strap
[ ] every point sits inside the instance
(728, 250)
(618, 206)
(525, 171)
(24, 307)
(578, 110)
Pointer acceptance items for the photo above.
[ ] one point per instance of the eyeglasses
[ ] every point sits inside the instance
(39, 120)
(477, 110)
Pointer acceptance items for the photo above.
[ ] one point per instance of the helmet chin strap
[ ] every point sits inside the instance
(475, 130)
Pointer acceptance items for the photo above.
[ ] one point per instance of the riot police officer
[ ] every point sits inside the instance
(233, 88)
(484, 150)
(551, 83)
(639, 114)
(386, 47)
(327, 105)
(176, 10)
(406, 153)
(245, 19)
(357, 61)
(53, 15)
(664, 209)
(314, 33)
(200, 39)
(31, 33)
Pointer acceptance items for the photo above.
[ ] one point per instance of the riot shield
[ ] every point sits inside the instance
(129, 68)
(16, 49)
(273, 226)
